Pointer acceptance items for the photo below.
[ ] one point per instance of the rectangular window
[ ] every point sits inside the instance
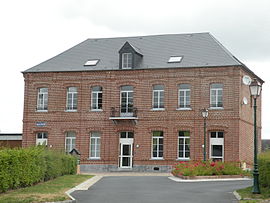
(184, 96)
(96, 98)
(70, 141)
(72, 98)
(157, 145)
(217, 145)
(42, 138)
(158, 97)
(42, 99)
(126, 97)
(216, 94)
(95, 145)
(184, 145)
(126, 60)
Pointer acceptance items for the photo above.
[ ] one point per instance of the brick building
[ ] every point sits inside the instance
(134, 103)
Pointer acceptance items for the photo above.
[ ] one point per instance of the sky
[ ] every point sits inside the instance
(33, 31)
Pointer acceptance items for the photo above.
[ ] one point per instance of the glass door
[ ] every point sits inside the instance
(126, 150)
(126, 101)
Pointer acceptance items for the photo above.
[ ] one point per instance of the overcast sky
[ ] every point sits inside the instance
(33, 31)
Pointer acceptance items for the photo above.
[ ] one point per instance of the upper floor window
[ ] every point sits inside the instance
(184, 96)
(42, 138)
(72, 98)
(158, 97)
(42, 99)
(183, 145)
(126, 99)
(157, 145)
(95, 145)
(126, 60)
(216, 94)
(96, 98)
(70, 141)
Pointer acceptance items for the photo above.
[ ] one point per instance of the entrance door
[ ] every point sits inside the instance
(217, 146)
(126, 150)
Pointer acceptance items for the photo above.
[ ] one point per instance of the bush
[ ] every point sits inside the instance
(27, 166)
(208, 168)
(264, 169)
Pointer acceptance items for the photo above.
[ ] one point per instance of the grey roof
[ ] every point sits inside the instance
(197, 50)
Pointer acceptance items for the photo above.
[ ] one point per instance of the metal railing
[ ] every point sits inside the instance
(124, 111)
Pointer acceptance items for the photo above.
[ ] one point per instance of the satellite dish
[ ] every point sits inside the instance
(245, 101)
(246, 80)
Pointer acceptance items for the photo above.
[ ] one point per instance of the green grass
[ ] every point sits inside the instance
(53, 190)
(246, 193)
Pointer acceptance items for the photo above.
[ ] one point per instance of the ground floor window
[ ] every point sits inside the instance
(217, 145)
(42, 138)
(95, 145)
(184, 145)
(70, 141)
(157, 145)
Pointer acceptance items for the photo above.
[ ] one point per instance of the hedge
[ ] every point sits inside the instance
(264, 169)
(27, 166)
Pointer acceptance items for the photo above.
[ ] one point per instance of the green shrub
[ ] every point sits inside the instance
(27, 166)
(264, 169)
(208, 168)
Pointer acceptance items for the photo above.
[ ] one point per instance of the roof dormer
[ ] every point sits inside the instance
(130, 57)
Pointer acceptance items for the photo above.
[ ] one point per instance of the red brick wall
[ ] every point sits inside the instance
(170, 121)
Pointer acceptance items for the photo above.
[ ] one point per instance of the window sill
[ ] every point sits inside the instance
(216, 108)
(71, 111)
(42, 111)
(93, 159)
(156, 159)
(96, 110)
(160, 109)
(183, 159)
(184, 109)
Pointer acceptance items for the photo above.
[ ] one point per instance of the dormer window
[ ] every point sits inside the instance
(126, 60)
(130, 57)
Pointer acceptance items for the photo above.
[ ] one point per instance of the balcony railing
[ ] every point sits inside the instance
(123, 112)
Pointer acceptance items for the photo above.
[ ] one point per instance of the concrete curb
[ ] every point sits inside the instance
(83, 186)
(205, 180)
(237, 196)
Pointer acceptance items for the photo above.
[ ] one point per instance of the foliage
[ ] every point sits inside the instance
(26, 166)
(207, 168)
(264, 169)
(49, 191)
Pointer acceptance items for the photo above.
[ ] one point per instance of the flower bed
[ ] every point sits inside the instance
(208, 169)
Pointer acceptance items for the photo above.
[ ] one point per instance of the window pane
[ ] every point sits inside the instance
(130, 88)
(97, 88)
(220, 134)
(216, 85)
(213, 135)
(216, 150)
(157, 133)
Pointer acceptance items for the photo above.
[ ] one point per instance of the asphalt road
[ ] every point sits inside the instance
(158, 190)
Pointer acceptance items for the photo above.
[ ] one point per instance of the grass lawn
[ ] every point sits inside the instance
(246, 193)
(53, 190)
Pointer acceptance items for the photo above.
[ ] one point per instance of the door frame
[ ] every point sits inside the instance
(125, 141)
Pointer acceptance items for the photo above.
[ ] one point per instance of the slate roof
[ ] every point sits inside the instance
(198, 50)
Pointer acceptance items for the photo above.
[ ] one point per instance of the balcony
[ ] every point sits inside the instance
(123, 114)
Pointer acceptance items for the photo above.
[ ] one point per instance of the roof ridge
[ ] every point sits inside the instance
(153, 35)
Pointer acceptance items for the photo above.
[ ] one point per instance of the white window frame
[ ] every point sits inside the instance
(214, 103)
(128, 58)
(43, 140)
(96, 106)
(128, 93)
(216, 141)
(95, 136)
(184, 147)
(158, 150)
(74, 105)
(186, 105)
(159, 99)
(72, 141)
(42, 100)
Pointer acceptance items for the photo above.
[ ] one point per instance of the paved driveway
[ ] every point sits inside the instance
(158, 190)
